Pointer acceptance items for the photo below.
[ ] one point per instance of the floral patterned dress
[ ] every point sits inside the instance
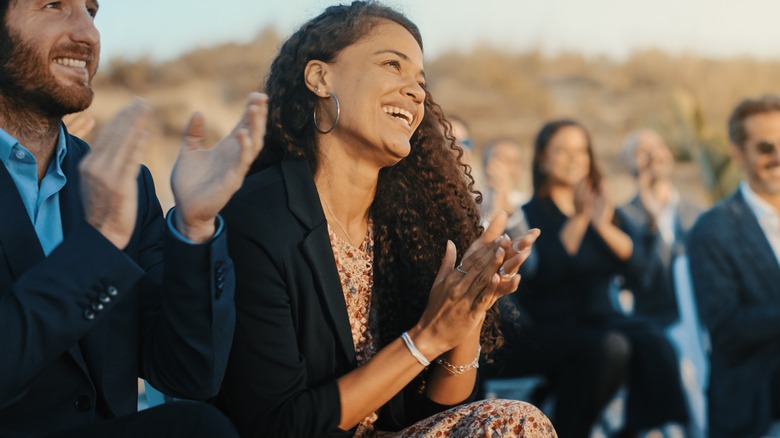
(486, 418)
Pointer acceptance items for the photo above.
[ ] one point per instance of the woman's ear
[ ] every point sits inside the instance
(315, 74)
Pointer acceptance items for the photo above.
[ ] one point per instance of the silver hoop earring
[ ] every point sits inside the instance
(335, 122)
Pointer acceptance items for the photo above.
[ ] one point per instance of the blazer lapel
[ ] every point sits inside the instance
(17, 234)
(71, 207)
(756, 247)
(19, 240)
(304, 202)
(643, 218)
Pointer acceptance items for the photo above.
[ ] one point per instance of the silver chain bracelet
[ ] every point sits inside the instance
(457, 370)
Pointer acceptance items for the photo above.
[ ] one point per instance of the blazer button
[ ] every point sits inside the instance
(112, 291)
(89, 314)
(83, 403)
(97, 307)
(103, 298)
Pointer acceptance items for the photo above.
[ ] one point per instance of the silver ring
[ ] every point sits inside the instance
(504, 275)
(458, 268)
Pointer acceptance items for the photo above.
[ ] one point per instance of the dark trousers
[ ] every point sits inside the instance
(179, 419)
(573, 361)
(655, 392)
(585, 365)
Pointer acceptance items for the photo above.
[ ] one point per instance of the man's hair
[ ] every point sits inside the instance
(4, 4)
(455, 118)
(6, 45)
(630, 145)
(489, 148)
(749, 107)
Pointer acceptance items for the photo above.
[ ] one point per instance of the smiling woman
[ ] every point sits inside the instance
(352, 319)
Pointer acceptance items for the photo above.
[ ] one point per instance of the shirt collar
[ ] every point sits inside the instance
(62, 149)
(759, 207)
(673, 201)
(8, 142)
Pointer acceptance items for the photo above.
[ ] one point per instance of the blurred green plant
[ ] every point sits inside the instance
(708, 147)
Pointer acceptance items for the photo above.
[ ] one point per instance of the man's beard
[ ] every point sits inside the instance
(26, 80)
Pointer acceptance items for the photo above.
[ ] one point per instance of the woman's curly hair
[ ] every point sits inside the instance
(420, 203)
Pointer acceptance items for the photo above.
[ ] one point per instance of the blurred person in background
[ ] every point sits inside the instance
(503, 166)
(97, 288)
(354, 318)
(662, 219)
(568, 329)
(734, 251)
(462, 133)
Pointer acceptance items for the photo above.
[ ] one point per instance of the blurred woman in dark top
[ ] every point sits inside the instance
(568, 329)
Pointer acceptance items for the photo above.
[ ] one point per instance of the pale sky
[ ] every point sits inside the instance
(164, 28)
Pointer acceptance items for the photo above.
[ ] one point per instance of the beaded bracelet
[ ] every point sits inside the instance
(457, 370)
(413, 349)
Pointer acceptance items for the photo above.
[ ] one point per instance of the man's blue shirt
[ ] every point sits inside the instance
(41, 201)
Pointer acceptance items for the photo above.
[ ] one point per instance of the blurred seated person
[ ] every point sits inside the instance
(662, 219)
(734, 250)
(503, 167)
(462, 133)
(567, 328)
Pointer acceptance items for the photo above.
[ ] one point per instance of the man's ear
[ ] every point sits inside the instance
(316, 75)
(737, 153)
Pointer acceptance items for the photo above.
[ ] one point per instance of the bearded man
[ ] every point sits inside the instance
(96, 287)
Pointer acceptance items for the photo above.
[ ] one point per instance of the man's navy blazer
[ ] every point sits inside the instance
(650, 272)
(736, 278)
(81, 325)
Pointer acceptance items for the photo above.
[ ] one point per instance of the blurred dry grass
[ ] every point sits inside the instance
(686, 97)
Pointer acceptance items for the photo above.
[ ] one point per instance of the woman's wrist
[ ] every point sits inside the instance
(425, 343)
(602, 223)
(468, 347)
(581, 219)
(417, 354)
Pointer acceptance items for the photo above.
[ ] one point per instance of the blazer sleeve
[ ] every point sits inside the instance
(58, 300)
(188, 323)
(49, 307)
(734, 324)
(265, 391)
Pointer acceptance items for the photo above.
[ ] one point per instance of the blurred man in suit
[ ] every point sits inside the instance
(662, 220)
(735, 264)
(85, 304)
(503, 165)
